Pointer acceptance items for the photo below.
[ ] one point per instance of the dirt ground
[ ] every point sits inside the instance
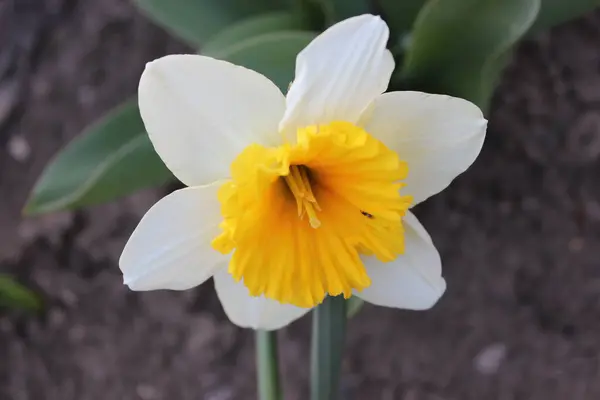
(519, 235)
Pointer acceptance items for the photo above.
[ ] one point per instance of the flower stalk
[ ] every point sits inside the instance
(327, 348)
(267, 366)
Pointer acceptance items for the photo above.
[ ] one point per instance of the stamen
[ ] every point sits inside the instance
(312, 215)
(299, 184)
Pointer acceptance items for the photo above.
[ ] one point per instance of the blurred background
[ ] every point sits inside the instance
(518, 233)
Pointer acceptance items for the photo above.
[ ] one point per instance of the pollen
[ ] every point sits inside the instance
(299, 218)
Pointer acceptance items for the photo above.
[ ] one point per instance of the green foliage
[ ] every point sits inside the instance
(195, 21)
(459, 47)
(342, 9)
(400, 15)
(112, 158)
(555, 12)
(13, 295)
(240, 31)
(272, 54)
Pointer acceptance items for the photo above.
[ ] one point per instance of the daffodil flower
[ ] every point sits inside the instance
(293, 198)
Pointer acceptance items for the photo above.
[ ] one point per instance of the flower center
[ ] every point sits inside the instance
(299, 217)
(298, 183)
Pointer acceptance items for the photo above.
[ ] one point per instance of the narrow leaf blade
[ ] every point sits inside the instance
(272, 54)
(556, 12)
(197, 20)
(250, 27)
(342, 9)
(455, 44)
(112, 158)
(401, 15)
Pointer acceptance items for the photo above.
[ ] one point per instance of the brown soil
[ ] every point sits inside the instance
(519, 234)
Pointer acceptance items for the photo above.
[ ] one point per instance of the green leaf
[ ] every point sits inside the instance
(112, 158)
(342, 9)
(16, 296)
(459, 47)
(555, 12)
(271, 54)
(400, 15)
(316, 14)
(197, 20)
(250, 27)
(355, 304)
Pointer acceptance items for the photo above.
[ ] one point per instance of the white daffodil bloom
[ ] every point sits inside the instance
(292, 198)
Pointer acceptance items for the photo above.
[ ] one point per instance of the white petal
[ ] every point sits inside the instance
(413, 281)
(252, 312)
(170, 248)
(438, 136)
(339, 74)
(200, 113)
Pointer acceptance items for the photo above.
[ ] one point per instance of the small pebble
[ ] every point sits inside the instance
(147, 392)
(576, 244)
(220, 394)
(489, 359)
(19, 148)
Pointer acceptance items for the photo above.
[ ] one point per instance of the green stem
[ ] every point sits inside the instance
(267, 366)
(328, 336)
